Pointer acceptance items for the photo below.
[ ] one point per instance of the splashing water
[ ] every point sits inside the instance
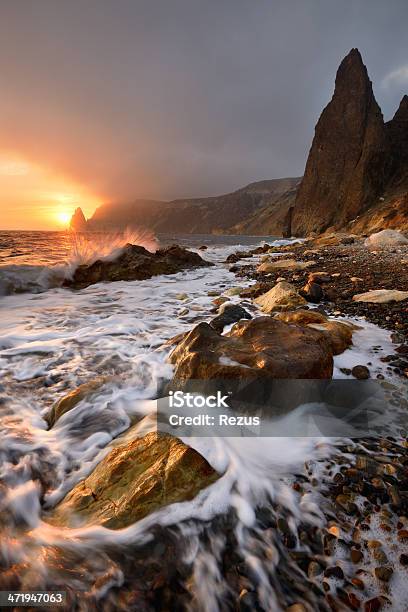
(88, 247)
(37, 261)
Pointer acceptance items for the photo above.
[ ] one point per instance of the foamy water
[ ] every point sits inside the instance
(49, 344)
(34, 262)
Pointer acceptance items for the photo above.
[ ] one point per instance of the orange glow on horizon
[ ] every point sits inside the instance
(37, 198)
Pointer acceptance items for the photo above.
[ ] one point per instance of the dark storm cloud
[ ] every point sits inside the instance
(168, 98)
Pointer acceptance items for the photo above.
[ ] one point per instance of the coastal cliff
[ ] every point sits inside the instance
(356, 179)
(356, 175)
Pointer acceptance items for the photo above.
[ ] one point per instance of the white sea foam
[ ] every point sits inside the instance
(50, 343)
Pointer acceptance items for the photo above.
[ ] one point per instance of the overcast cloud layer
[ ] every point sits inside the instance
(169, 98)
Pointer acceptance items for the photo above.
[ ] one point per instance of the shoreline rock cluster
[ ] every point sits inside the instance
(364, 484)
(348, 277)
(135, 263)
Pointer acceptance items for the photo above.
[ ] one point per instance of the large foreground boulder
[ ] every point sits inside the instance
(136, 478)
(385, 238)
(136, 263)
(259, 348)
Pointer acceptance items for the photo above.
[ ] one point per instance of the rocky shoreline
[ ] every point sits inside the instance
(353, 554)
(349, 563)
(348, 268)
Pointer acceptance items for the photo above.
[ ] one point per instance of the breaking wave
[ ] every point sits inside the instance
(89, 247)
(29, 273)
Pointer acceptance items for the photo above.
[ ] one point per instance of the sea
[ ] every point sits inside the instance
(52, 340)
(34, 261)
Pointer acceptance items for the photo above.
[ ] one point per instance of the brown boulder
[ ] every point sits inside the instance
(361, 372)
(136, 478)
(332, 239)
(339, 334)
(260, 347)
(283, 296)
(319, 277)
(272, 265)
(255, 290)
(69, 401)
(136, 263)
(313, 292)
(327, 240)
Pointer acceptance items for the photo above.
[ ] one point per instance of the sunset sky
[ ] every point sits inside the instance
(33, 196)
(105, 101)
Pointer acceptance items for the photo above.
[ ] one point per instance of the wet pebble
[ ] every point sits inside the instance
(383, 573)
(361, 372)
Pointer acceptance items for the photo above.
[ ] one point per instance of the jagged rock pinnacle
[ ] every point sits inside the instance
(402, 111)
(397, 130)
(78, 222)
(346, 167)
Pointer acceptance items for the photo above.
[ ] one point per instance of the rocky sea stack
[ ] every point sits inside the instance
(78, 222)
(356, 161)
(347, 164)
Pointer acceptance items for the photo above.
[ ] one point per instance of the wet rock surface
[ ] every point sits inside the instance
(228, 314)
(339, 334)
(136, 263)
(69, 401)
(360, 372)
(260, 348)
(133, 480)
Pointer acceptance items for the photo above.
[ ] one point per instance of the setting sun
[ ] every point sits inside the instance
(63, 217)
